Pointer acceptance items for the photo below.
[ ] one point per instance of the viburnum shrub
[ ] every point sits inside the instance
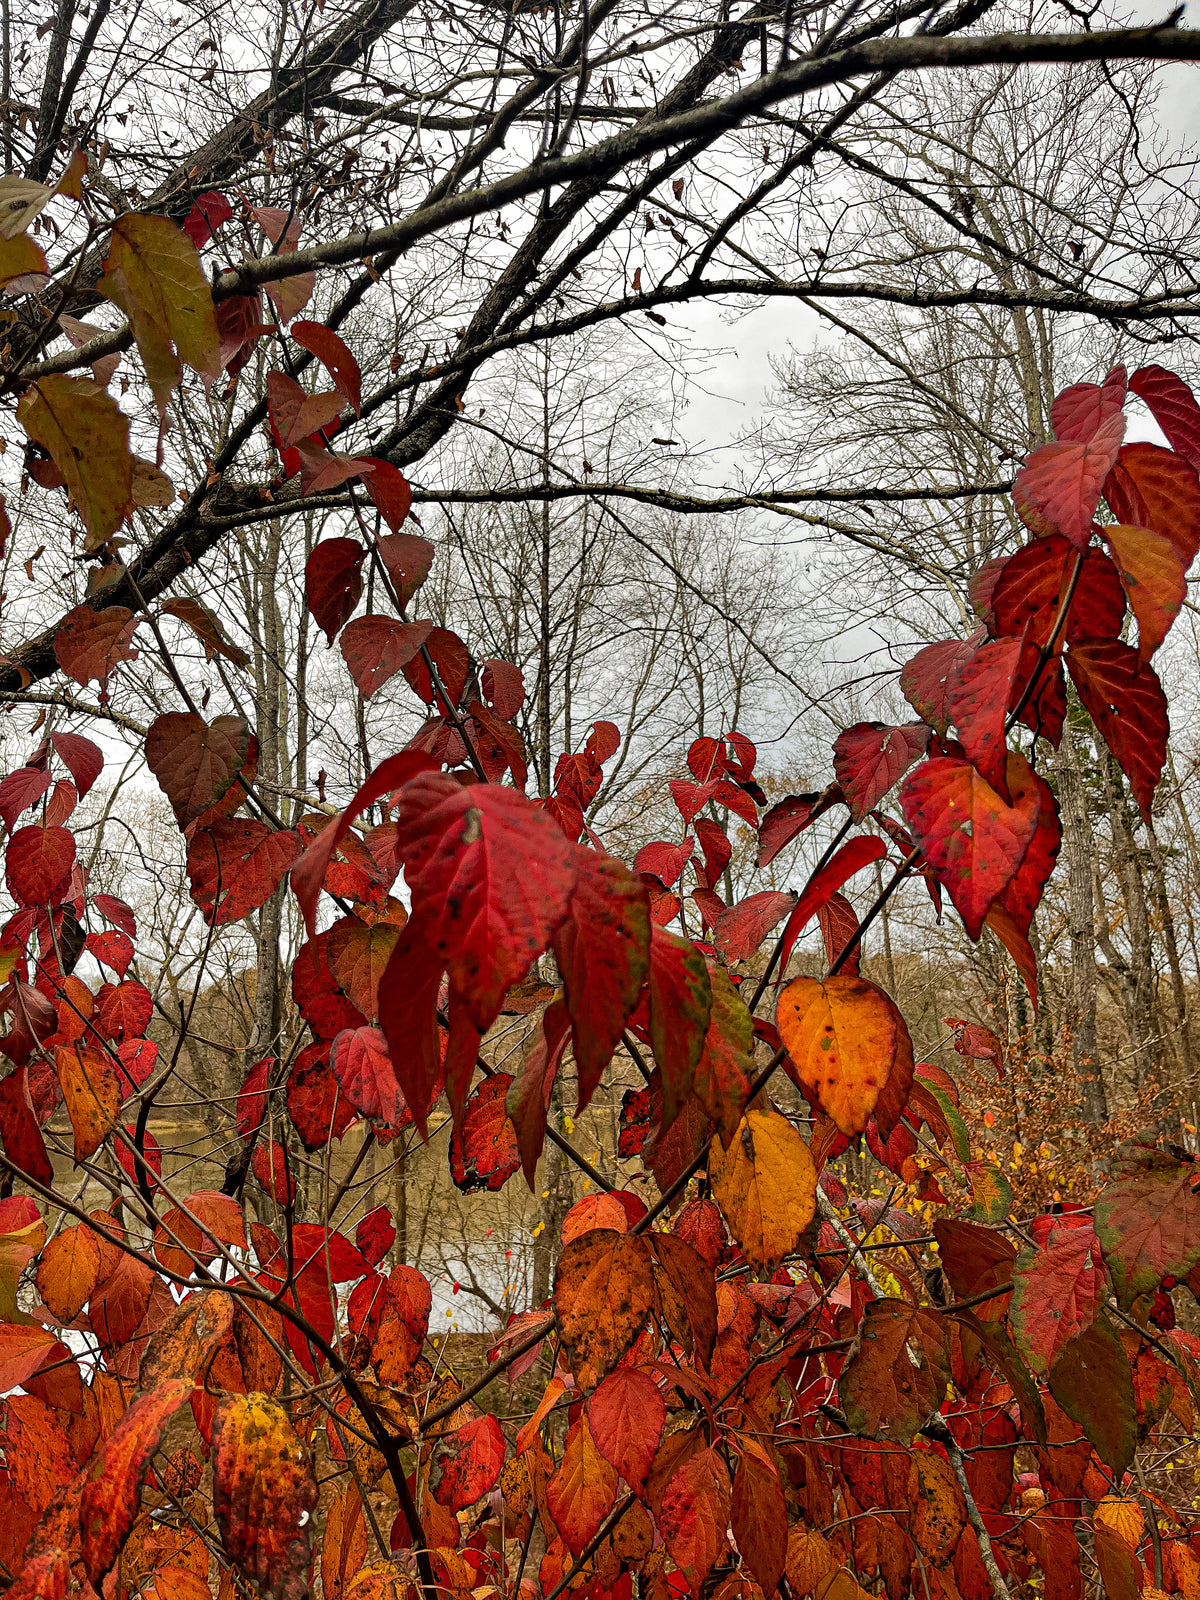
(731, 1399)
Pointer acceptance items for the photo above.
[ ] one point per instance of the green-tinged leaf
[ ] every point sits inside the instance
(726, 1067)
(1148, 1222)
(1092, 1382)
(81, 427)
(1006, 1359)
(991, 1192)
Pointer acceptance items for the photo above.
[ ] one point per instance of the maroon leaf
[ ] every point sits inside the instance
(851, 858)
(528, 1101)
(1126, 702)
(870, 758)
(333, 583)
(680, 1003)
(740, 929)
(1150, 487)
(334, 355)
(1058, 488)
(89, 644)
(195, 762)
(20, 790)
(234, 867)
(484, 1153)
(376, 648)
(1174, 407)
(389, 489)
(784, 822)
(664, 861)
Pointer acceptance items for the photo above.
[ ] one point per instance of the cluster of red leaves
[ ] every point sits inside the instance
(729, 1400)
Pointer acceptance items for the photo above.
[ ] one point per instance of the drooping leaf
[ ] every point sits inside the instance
(1028, 790)
(334, 355)
(979, 703)
(822, 886)
(695, 1515)
(580, 1494)
(333, 583)
(785, 821)
(971, 838)
(235, 867)
(264, 1494)
(528, 1101)
(841, 1034)
(67, 1271)
(38, 864)
(680, 1006)
(1174, 407)
(870, 759)
(604, 1293)
(928, 677)
(20, 790)
(113, 1487)
(89, 644)
(207, 628)
(726, 1066)
(1150, 487)
(392, 494)
(362, 1064)
(1058, 488)
(1091, 1381)
(1154, 578)
(626, 1415)
(939, 1511)
(484, 1152)
(765, 1185)
(1033, 584)
(1148, 1223)
(1126, 702)
(896, 1373)
(81, 428)
(83, 759)
(195, 762)
(759, 1515)
(1079, 411)
(153, 272)
(603, 953)
(92, 1091)
(1056, 1293)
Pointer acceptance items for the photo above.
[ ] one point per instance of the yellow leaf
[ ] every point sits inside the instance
(70, 183)
(19, 256)
(153, 272)
(1124, 1517)
(87, 438)
(809, 1560)
(766, 1185)
(20, 201)
(841, 1035)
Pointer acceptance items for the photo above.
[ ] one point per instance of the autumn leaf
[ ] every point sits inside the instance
(1154, 577)
(695, 1515)
(67, 1271)
(741, 928)
(113, 1488)
(581, 1492)
(896, 1373)
(626, 1415)
(81, 428)
(38, 864)
(334, 355)
(483, 1152)
(207, 629)
(766, 1186)
(1150, 487)
(23, 1348)
(1174, 407)
(467, 1463)
(841, 1034)
(680, 1006)
(759, 1515)
(726, 1065)
(1148, 1223)
(1092, 1382)
(333, 583)
(927, 679)
(604, 1293)
(1058, 488)
(264, 1494)
(20, 256)
(528, 1102)
(821, 889)
(870, 759)
(92, 1091)
(939, 1511)
(1126, 702)
(973, 840)
(235, 866)
(1079, 411)
(1056, 1292)
(89, 644)
(195, 762)
(153, 272)
(358, 956)
(376, 648)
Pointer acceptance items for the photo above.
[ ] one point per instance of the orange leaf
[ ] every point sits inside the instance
(92, 1091)
(841, 1034)
(1155, 579)
(604, 1293)
(581, 1492)
(67, 1272)
(264, 1493)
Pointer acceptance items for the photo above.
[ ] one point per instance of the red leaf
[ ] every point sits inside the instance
(503, 687)
(717, 851)
(124, 1009)
(1078, 412)
(38, 864)
(1174, 407)
(1056, 1292)
(971, 838)
(209, 211)
(234, 867)
(1148, 1223)
(408, 559)
(334, 355)
(82, 758)
(1004, 926)
(452, 661)
(89, 644)
(680, 1004)
(740, 929)
(838, 926)
(362, 1064)
(626, 1415)
(603, 953)
(979, 702)
(1155, 580)
(851, 858)
(483, 1153)
(113, 948)
(1058, 488)
(309, 872)
(389, 489)
(785, 821)
(112, 1492)
(1022, 895)
(116, 912)
(664, 861)
(491, 879)
(695, 1515)
(252, 1098)
(195, 762)
(870, 758)
(1126, 702)
(376, 648)
(19, 1130)
(528, 1100)
(333, 583)
(297, 415)
(318, 1110)
(1029, 592)
(926, 680)
(1150, 487)
(375, 1235)
(20, 790)
(691, 798)
(467, 1463)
